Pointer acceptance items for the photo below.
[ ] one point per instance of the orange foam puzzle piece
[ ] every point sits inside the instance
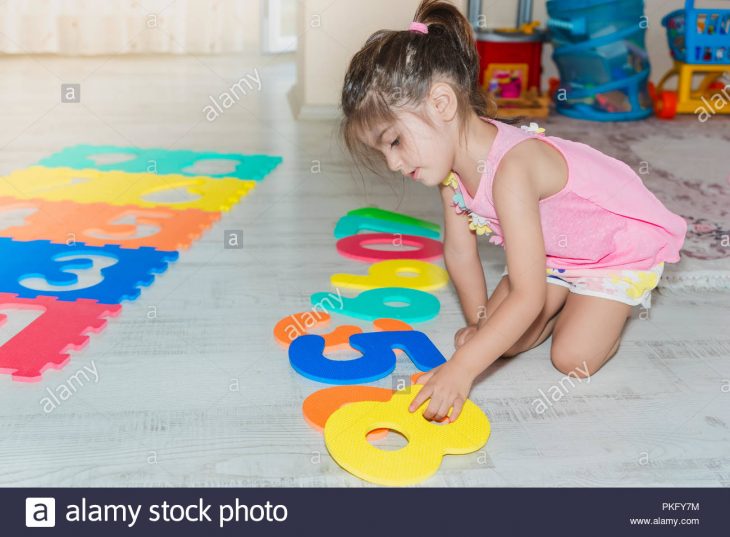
(322, 403)
(98, 224)
(298, 324)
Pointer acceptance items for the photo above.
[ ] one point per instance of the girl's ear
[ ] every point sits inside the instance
(443, 100)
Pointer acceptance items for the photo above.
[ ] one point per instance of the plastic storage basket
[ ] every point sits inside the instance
(600, 53)
(699, 36)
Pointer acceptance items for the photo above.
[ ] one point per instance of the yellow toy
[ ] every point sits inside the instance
(708, 98)
(121, 188)
(698, 40)
(409, 273)
(346, 430)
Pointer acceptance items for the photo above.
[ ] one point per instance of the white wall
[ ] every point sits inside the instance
(331, 31)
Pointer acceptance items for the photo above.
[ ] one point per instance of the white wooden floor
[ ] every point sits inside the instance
(163, 411)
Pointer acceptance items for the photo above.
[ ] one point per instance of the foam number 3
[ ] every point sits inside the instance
(298, 324)
(306, 356)
(346, 431)
(408, 273)
(79, 271)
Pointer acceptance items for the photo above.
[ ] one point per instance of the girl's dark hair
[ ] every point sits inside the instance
(396, 68)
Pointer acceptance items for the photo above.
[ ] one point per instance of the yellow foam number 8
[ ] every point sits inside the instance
(408, 273)
(346, 430)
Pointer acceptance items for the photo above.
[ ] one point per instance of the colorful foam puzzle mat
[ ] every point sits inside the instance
(306, 356)
(384, 302)
(98, 224)
(353, 415)
(44, 343)
(94, 226)
(111, 274)
(347, 428)
(122, 188)
(163, 161)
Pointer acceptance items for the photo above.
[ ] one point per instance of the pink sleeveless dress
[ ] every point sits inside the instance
(605, 233)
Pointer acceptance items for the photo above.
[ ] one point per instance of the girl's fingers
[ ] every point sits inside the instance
(443, 410)
(458, 405)
(433, 407)
(424, 377)
(424, 394)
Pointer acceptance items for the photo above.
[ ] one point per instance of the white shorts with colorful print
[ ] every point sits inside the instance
(632, 287)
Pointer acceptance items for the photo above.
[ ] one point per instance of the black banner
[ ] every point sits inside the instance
(372, 512)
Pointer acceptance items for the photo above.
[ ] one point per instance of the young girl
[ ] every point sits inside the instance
(566, 214)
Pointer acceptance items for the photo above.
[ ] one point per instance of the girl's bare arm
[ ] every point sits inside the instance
(516, 198)
(462, 261)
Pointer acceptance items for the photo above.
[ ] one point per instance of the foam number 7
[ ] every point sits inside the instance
(346, 436)
(306, 356)
(408, 273)
(79, 271)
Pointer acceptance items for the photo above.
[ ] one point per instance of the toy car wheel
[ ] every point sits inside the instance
(665, 106)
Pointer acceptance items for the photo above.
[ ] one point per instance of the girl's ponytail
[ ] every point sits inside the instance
(396, 68)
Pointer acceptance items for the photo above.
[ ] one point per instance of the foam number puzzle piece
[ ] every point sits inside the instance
(120, 188)
(306, 356)
(390, 216)
(98, 224)
(346, 430)
(409, 273)
(47, 340)
(320, 405)
(163, 161)
(354, 224)
(418, 307)
(298, 324)
(106, 274)
(356, 247)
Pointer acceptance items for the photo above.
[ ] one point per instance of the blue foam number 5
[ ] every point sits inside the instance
(306, 355)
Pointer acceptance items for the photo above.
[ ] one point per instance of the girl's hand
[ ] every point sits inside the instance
(464, 335)
(447, 386)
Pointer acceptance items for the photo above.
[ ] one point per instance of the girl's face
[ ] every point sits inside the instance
(420, 150)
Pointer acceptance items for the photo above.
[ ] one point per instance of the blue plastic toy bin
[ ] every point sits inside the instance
(600, 53)
(699, 36)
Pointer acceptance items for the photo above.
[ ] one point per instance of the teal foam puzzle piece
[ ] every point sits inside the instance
(163, 161)
(382, 214)
(352, 224)
(372, 304)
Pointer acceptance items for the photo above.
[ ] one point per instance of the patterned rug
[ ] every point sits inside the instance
(686, 164)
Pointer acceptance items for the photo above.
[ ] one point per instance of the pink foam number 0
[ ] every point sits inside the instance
(356, 247)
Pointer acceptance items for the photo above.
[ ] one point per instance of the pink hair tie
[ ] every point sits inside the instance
(418, 27)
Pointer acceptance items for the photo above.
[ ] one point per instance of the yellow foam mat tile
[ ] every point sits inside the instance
(121, 188)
